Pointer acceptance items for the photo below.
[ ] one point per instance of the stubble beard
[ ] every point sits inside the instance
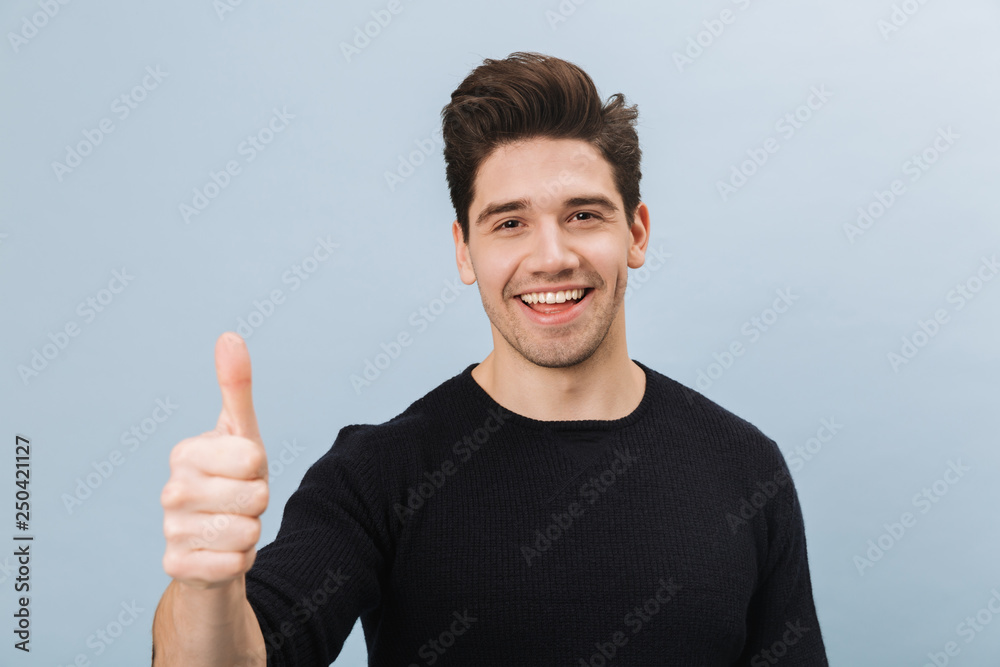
(557, 351)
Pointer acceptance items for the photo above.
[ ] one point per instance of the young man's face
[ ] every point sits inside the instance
(538, 225)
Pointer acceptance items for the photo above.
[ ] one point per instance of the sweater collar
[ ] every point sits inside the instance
(473, 389)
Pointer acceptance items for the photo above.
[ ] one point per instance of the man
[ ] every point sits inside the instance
(556, 504)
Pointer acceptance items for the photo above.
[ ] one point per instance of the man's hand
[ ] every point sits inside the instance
(218, 484)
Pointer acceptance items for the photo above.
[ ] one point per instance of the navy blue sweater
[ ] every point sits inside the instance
(464, 534)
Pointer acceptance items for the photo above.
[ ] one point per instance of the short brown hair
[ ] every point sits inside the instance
(529, 95)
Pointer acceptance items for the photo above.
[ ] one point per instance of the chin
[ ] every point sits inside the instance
(557, 354)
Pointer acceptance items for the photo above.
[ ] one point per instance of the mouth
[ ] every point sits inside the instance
(556, 313)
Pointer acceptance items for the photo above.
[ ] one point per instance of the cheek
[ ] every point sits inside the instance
(610, 265)
(490, 284)
(495, 277)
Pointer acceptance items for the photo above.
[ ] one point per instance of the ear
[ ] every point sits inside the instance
(462, 257)
(640, 237)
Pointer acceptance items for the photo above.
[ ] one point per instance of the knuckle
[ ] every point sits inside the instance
(238, 534)
(230, 564)
(172, 495)
(180, 454)
(252, 531)
(257, 458)
(196, 544)
(172, 529)
(210, 525)
(246, 502)
(262, 494)
(172, 564)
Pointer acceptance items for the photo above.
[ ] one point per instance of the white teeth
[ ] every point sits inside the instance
(552, 297)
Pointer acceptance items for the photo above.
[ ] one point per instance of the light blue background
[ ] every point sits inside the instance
(324, 176)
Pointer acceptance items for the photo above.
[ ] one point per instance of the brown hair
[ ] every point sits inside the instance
(530, 95)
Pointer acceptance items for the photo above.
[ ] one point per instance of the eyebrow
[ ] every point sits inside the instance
(524, 203)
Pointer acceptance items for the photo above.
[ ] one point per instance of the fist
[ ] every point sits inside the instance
(218, 484)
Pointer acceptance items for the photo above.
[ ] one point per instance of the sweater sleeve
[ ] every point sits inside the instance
(327, 563)
(782, 623)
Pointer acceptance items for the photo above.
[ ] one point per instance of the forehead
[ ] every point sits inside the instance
(541, 166)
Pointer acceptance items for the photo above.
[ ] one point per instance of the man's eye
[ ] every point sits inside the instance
(503, 225)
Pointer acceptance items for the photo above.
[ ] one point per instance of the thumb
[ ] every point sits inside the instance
(232, 368)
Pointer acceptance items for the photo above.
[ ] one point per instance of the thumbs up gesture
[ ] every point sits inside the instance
(218, 484)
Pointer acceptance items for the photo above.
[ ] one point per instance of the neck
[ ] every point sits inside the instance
(602, 388)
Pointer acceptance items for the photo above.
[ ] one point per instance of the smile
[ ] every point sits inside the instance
(555, 313)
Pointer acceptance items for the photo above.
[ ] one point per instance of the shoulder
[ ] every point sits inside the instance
(692, 417)
(407, 433)
(746, 469)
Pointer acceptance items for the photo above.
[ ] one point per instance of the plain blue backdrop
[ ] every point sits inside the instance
(768, 130)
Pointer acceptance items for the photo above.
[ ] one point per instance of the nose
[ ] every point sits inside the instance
(551, 250)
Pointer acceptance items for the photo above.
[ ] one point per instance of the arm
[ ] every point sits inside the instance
(218, 488)
(217, 625)
(781, 617)
(328, 562)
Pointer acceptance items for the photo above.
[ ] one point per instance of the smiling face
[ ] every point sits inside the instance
(547, 217)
